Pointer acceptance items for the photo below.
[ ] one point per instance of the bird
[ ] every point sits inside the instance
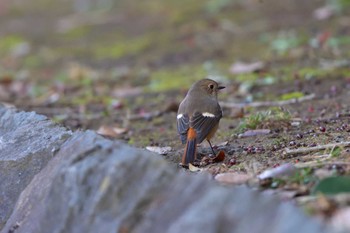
(198, 117)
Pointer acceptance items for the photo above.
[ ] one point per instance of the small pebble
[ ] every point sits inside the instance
(303, 144)
(344, 126)
(311, 131)
(313, 144)
(232, 162)
(295, 123)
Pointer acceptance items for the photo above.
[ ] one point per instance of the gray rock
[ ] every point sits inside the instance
(96, 185)
(27, 142)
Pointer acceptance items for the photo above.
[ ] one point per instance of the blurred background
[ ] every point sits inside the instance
(86, 63)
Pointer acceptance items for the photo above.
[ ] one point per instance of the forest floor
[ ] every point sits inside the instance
(121, 68)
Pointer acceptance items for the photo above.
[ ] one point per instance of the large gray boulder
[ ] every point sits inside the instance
(27, 142)
(96, 185)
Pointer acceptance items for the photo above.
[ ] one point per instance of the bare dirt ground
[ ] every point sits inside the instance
(122, 68)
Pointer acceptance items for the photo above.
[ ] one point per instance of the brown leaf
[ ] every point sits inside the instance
(120, 130)
(237, 113)
(79, 72)
(325, 205)
(6, 80)
(219, 157)
(111, 131)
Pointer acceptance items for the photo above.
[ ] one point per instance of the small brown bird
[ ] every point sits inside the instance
(198, 117)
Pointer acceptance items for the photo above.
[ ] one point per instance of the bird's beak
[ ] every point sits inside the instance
(221, 87)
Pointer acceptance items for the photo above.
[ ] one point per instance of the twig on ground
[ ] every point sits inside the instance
(305, 150)
(317, 156)
(268, 103)
(320, 163)
(336, 117)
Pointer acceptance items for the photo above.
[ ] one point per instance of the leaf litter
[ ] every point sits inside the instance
(305, 72)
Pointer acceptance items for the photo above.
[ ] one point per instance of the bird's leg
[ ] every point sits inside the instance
(211, 147)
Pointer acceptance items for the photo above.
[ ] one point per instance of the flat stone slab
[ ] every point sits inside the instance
(96, 185)
(27, 142)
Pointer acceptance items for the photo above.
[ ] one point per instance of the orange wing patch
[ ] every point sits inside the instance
(191, 134)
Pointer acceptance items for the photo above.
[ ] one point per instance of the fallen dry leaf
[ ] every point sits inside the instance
(159, 150)
(326, 205)
(111, 131)
(219, 157)
(233, 178)
(237, 113)
(193, 168)
(6, 80)
(79, 72)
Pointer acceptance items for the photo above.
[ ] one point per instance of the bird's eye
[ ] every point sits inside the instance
(211, 86)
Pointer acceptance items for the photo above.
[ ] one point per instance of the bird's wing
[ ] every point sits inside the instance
(183, 123)
(203, 123)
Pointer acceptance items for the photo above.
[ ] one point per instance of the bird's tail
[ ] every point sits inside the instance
(191, 147)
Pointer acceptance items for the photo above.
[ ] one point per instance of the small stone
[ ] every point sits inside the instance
(232, 162)
(295, 123)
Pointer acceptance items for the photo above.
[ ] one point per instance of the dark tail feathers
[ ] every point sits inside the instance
(190, 151)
